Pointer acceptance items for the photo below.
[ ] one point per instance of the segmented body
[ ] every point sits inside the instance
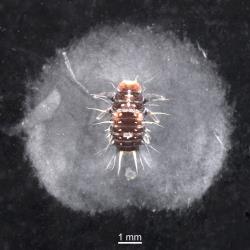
(127, 129)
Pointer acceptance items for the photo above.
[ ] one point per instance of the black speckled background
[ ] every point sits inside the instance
(30, 32)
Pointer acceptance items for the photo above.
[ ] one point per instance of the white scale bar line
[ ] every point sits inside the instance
(129, 242)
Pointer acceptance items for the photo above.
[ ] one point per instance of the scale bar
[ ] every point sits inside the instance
(129, 242)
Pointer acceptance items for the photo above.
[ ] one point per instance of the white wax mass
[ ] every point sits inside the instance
(44, 110)
(62, 140)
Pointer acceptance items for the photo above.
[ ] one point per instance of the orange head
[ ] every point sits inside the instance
(126, 85)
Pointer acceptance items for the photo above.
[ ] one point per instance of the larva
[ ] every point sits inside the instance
(127, 121)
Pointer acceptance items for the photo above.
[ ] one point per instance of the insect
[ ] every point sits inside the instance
(127, 118)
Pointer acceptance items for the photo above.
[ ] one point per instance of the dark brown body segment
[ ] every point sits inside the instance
(127, 128)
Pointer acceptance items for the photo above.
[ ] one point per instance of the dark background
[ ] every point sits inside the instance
(30, 32)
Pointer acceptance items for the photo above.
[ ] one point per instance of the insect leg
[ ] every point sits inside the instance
(103, 99)
(107, 97)
(103, 112)
(68, 65)
(153, 115)
(104, 96)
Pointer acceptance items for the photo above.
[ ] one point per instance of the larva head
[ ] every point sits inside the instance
(127, 85)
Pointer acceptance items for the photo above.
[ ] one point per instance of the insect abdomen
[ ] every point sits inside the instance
(127, 129)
